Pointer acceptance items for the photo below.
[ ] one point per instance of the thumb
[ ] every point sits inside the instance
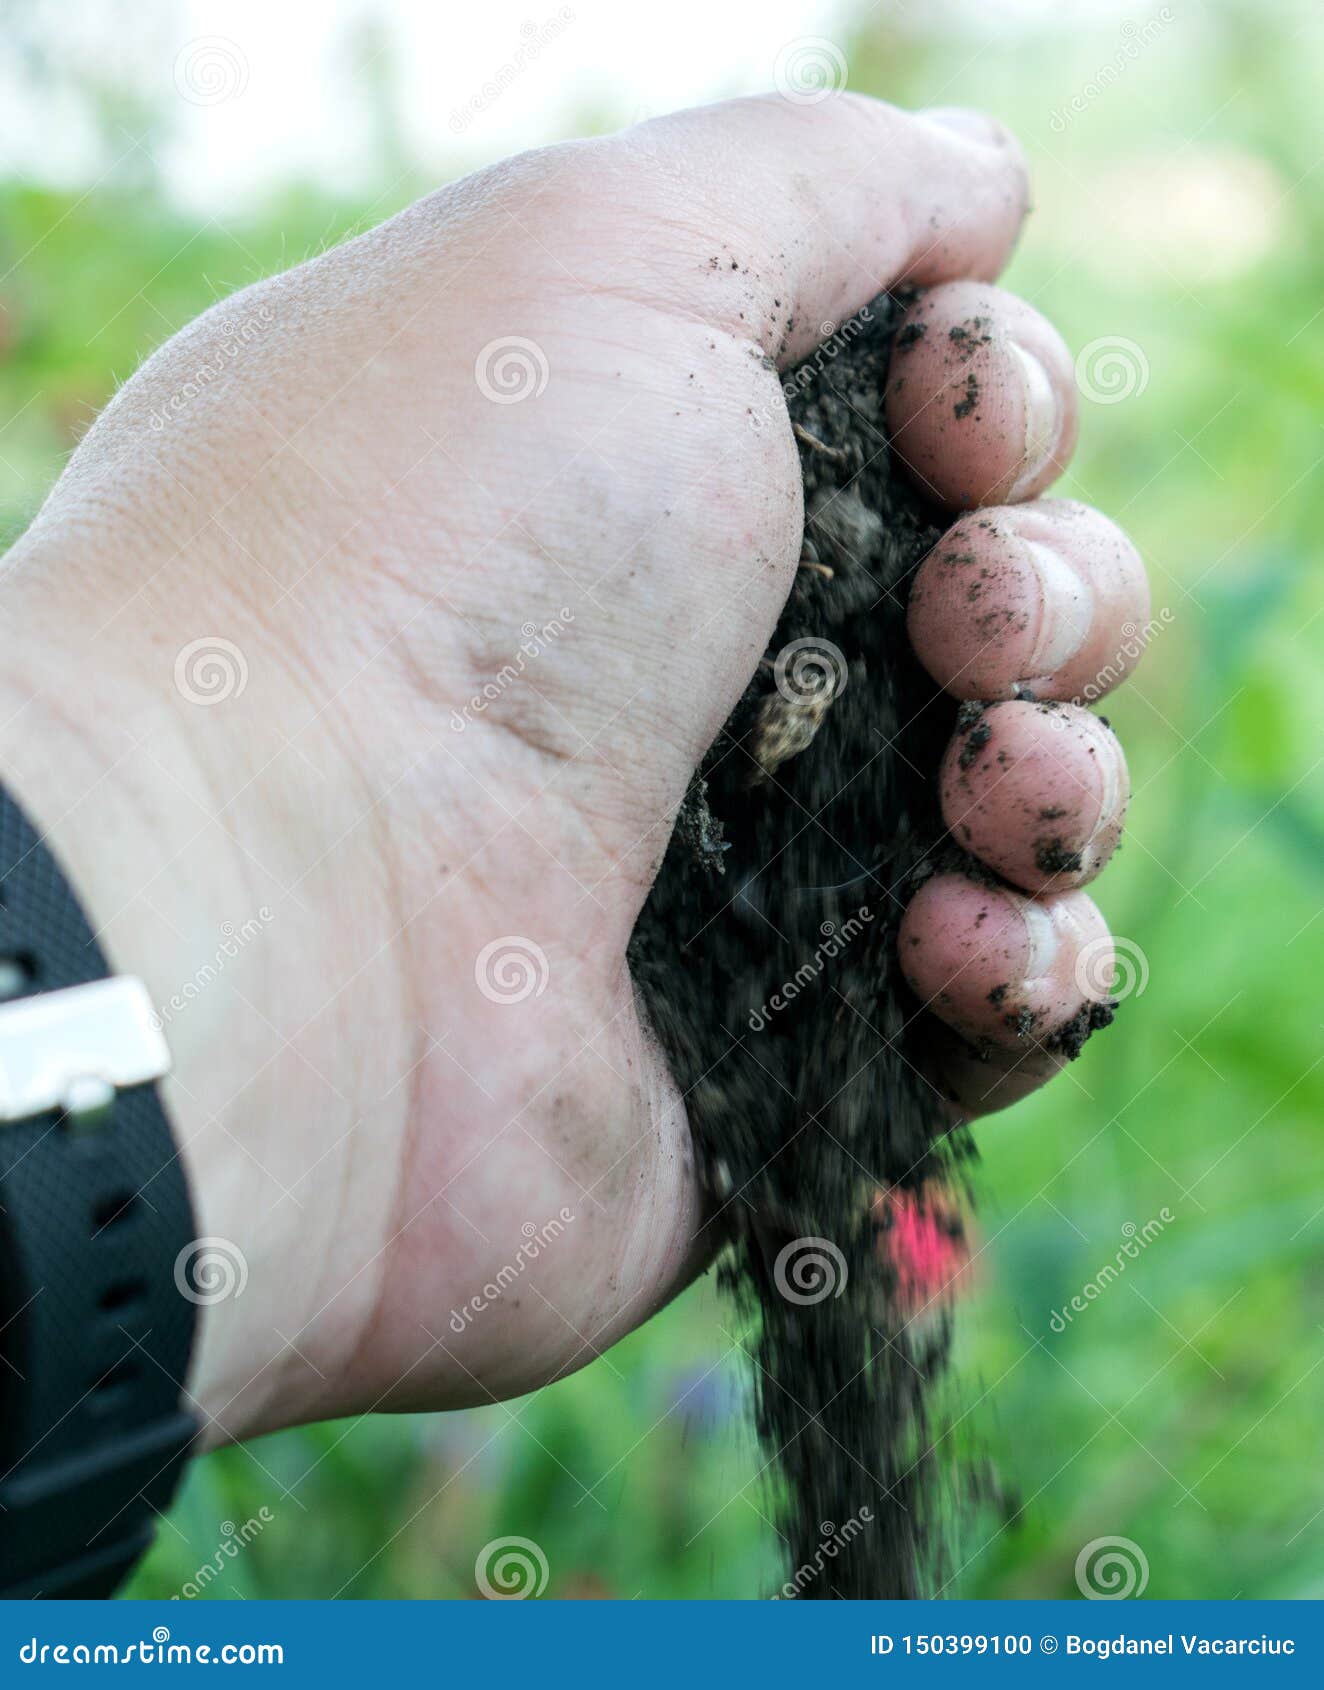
(765, 222)
(832, 201)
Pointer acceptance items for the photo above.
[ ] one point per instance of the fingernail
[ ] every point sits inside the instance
(969, 125)
(1041, 939)
(1112, 781)
(1112, 769)
(1066, 610)
(1041, 419)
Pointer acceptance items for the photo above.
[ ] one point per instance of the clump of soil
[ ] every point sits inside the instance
(767, 957)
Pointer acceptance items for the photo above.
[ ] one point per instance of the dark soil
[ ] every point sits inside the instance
(767, 957)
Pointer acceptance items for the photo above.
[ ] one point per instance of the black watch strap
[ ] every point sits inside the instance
(96, 1319)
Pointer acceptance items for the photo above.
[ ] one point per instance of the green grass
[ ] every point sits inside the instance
(1180, 1409)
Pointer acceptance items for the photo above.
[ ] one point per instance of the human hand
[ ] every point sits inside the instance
(523, 403)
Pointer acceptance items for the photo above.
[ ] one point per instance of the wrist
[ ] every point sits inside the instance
(180, 866)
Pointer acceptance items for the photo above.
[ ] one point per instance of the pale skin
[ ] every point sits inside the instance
(348, 508)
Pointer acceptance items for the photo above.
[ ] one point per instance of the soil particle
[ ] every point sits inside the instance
(975, 741)
(967, 336)
(1054, 856)
(1069, 1040)
(964, 406)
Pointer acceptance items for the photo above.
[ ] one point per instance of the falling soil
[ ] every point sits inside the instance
(766, 954)
(767, 957)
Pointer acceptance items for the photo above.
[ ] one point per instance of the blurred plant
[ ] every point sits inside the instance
(1184, 1406)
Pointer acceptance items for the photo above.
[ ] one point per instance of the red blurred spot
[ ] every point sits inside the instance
(921, 1234)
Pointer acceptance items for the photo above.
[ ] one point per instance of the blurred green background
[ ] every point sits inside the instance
(1177, 244)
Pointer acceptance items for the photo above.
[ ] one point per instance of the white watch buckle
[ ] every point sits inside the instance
(73, 1049)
